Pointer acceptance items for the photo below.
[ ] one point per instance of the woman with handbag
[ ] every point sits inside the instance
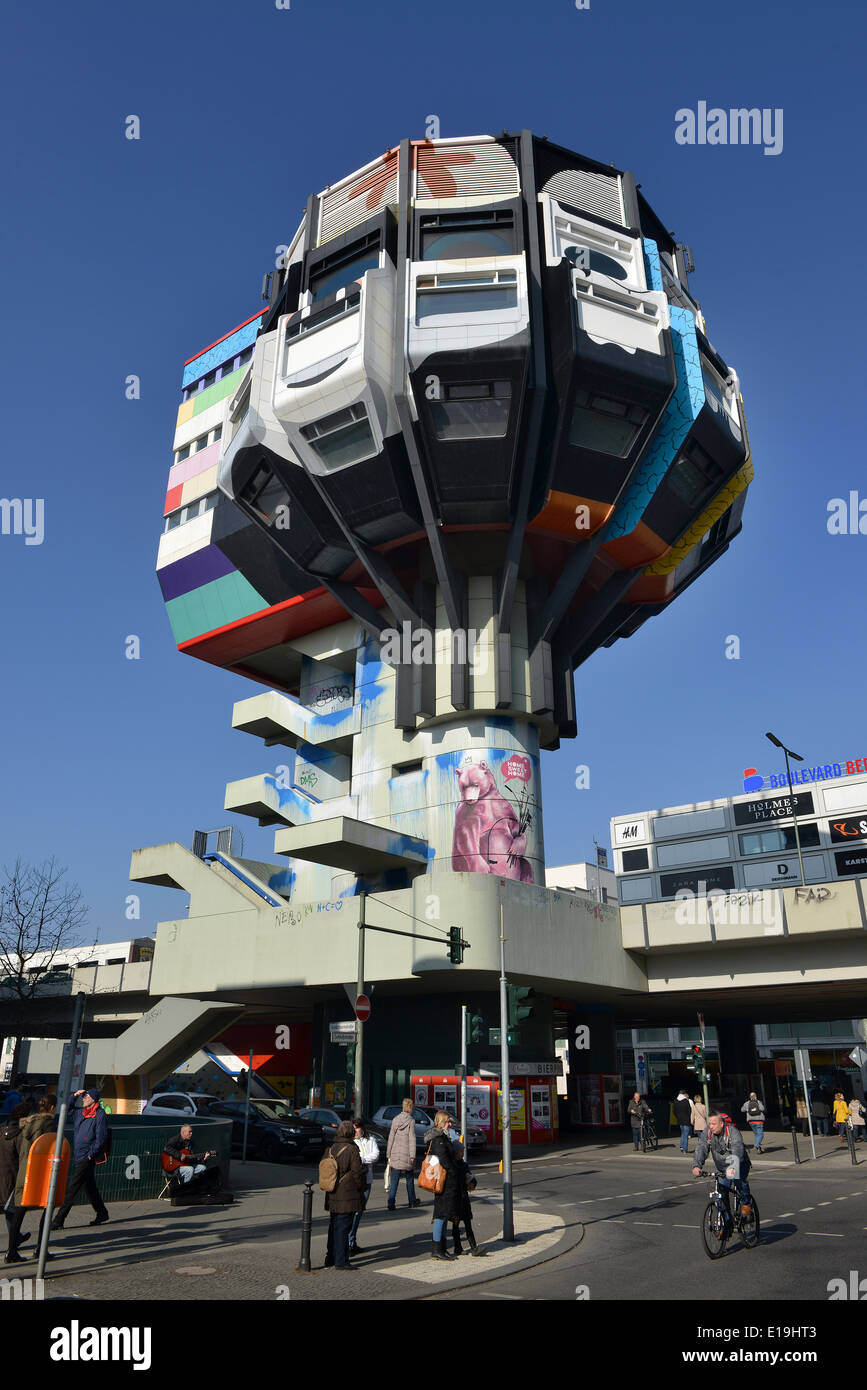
(439, 1174)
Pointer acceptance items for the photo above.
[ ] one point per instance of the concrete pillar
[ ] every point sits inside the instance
(737, 1046)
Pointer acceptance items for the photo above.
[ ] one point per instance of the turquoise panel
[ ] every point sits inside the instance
(213, 605)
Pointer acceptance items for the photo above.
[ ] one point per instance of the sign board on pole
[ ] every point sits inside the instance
(73, 1068)
(362, 1008)
(858, 1055)
(342, 1033)
(802, 1064)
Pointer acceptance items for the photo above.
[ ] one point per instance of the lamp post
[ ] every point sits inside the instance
(789, 754)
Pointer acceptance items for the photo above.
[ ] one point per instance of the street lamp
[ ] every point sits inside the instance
(797, 756)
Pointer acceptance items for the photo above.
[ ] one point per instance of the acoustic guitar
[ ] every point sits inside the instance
(171, 1165)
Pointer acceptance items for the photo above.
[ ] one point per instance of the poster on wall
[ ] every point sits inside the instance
(540, 1107)
(419, 1095)
(479, 1107)
(613, 1092)
(517, 1107)
(490, 799)
(590, 1096)
(445, 1098)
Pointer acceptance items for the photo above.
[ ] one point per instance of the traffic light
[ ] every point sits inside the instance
(695, 1062)
(350, 1060)
(456, 946)
(475, 1028)
(520, 1005)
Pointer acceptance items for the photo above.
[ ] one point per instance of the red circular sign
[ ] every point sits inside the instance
(362, 1008)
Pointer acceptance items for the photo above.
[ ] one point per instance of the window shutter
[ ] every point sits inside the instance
(480, 171)
(598, 194)
(345, 207)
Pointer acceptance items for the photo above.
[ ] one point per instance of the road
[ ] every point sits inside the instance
(642, 1240)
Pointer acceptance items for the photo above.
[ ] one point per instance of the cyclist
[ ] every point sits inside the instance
(722, 1139)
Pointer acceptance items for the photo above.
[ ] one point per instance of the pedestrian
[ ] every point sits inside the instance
(682, 1108)
(699, 1116)
(466, 1185)
(856, 1119)
(10, 1153)
(400, 1152)
(820, 1111)
(447, 1204)
(89, 1144)
(369, 1152)
(755, 1113)
(636, 1110)
(801, 1115)
(12, 1097)
(841, 1115)
(37, 1124)
(346, 1200)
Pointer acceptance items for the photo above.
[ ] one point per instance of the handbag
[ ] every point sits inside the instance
(433, 1175)
(387, 1176)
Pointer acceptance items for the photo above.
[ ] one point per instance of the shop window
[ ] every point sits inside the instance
(477, 411)
(342, 438)
(634, 859)
(606, 426)
(776, 840)
(464, 236)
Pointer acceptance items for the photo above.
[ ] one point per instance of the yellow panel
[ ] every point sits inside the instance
(199, 485)
(712, 513)
(185, 411)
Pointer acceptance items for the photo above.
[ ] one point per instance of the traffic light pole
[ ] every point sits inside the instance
(358, 1108)
(464, 1137)
(505, 1093)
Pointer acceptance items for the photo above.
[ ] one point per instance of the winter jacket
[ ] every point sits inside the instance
(369, 1152)
(10, 1100)
(447, 1204)
(682, 1108)
(819, 1107)
(400, 1150)
(35, 1126)
(10, 1152)
(347, 1195)
(699, 1116)
(755, 1112)
(91, 1136)
(856, 1112)
(841, 1111)
(635, 1112)
(463, 1193)
(726, 1149)
(175, 1147)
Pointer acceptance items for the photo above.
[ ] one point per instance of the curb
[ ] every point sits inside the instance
(562, 1248)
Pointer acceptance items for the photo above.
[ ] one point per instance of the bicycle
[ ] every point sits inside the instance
(649, 1138)
(719, 1221)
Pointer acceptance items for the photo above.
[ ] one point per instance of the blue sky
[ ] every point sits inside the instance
(127, 257)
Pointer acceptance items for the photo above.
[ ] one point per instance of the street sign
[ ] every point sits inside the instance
(362, 1008)
(74, 1080)
(858, 1055)
(343, 1034)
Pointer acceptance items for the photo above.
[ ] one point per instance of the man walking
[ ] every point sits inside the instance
(755, 1113)
(636, 1110)
(682, 1108)
(91, 1138)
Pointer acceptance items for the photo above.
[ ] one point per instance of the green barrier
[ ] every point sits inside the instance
(134, 1171)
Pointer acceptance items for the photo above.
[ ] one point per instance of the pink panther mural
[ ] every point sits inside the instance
(490, 834)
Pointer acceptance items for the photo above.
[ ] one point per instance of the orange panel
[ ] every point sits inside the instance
(639, 548)
(560, 514)
(651, 588)
(38, 1174)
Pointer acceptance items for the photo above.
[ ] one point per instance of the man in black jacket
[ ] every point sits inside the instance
(683, 1115)
(636, 1111)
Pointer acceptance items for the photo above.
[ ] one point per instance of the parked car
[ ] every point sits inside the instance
(179, 1103)
(476, 1138)
(381, 1123)
(328, 1119)
(274, 1131)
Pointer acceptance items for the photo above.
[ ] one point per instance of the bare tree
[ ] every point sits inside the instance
(39, 916)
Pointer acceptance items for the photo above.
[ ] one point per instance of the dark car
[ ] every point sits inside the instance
(327, 1117)
(274, 1131)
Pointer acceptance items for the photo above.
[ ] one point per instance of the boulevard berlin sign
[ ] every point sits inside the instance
(823, 772)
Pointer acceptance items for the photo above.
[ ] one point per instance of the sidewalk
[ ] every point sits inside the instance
(777, 1149)
(250, 1250)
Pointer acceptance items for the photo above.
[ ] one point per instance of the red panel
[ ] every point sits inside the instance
(173, 499)
(270, 1056)
(229, 645)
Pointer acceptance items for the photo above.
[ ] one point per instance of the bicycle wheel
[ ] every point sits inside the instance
(750, 1227)
(714, 1231)
(653, 1140)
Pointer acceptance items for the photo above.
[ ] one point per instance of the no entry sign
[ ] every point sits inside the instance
(362, 1008)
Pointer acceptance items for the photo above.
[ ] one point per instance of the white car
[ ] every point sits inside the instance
(179, 1103)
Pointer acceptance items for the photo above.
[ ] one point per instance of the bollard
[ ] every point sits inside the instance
(303, 1266)
(850, 1135)
(795, 1144)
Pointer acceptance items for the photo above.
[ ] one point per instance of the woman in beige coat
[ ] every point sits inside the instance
(401, 1155)
(698, 1114)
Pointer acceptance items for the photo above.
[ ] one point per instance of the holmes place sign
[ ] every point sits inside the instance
(772, 808)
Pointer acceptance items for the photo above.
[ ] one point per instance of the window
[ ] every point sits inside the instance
(191, 510)
(207, 381)
(634, 859)
(217, 434)
(694, 476)
(462, 236)
(344, 267)
(245, 356)
(604, 425)
(182, 454)
(265, 493)
(323, 317)
(239, 410)
(773, 841)
(342, 438)
(476, 292)
(479, 411)
(403, 769)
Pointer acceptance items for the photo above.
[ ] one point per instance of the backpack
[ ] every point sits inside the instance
(754, 1108)
(329, 1179)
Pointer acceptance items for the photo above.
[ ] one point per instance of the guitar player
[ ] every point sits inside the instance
(192, 1171)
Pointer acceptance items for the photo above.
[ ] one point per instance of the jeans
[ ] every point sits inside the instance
(439, 1226)
(636, 1137)
(684, 1138)
(758, 1135)
(337, 1250)
(356, 1220)
(396, 1175)
(820, 1124)
(740, 1185)
(15, 1220)
(187, 1171)
(82, 1177)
